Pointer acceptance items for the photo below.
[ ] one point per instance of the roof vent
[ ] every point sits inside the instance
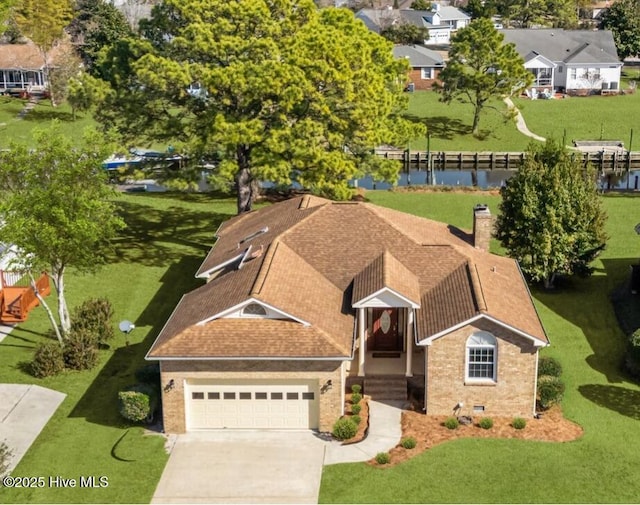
(253, 235)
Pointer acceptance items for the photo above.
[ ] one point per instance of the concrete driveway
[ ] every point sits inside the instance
(243, 467)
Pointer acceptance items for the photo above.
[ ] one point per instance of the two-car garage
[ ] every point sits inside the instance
(256, 404)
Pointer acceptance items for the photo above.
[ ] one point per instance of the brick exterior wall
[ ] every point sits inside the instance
(511, 395)
(415, 76)
(173, 401)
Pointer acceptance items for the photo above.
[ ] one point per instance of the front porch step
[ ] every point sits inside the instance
(386, 388)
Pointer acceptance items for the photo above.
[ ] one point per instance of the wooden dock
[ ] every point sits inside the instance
(615, 161)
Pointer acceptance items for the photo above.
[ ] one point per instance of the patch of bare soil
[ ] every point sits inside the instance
(430, 431)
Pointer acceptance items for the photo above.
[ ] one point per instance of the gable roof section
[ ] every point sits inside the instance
(448, 303)
(321, 256)
(568, 46)
(28, 56)
(386, 272)
(274, 218)
(249, 338)
(418, 56)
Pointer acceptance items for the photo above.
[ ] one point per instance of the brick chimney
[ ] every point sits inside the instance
(482, 227)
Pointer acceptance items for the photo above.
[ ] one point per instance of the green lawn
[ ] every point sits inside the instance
(584, 118)
(20, 130)
(450, 125)
(154, 264)
(602, 466)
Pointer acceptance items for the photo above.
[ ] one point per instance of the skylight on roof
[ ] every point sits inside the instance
(254, 235)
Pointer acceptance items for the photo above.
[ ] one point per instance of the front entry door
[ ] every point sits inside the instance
(386, 336)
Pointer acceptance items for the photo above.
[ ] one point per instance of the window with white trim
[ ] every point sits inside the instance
(481, 357)
(254, 309)
(426, 73)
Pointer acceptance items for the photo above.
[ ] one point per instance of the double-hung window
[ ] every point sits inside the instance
(481, 357)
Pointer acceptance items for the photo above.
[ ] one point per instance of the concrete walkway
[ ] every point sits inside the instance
(5, 329)
(384, 434)
(24, 410)
(520, 123)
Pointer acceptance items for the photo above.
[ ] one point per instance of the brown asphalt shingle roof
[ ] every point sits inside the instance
(258, 338)
(386, 271)
(317, 258)
(27, 56)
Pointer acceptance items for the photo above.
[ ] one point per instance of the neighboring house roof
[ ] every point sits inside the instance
(418, 56)
(378, 19)
(319, 257)
(27, 56)
(567, 46)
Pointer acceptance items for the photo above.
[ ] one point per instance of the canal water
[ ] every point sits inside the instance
(486, 179)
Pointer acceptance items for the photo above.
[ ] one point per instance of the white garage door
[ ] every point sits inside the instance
(268, 404)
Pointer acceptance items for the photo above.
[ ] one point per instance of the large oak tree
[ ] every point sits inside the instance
(287, 92)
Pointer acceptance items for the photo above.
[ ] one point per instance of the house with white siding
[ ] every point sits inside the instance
(576, 62)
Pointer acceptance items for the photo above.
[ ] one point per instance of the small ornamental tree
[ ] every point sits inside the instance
(56, 208)
(551, 219)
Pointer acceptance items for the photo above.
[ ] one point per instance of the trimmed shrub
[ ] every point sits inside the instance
(550, 390)
(451, 423)
(549, 366)
(137, 403)
(355, 409)
(519, 423)
(355, 398)
(632, 357)
(80, 349)
(356, 419)
(486, 423)
(383, 458)
(94, 315)
(408, 442)
(356, 388)
(47, 360)
(345, 428)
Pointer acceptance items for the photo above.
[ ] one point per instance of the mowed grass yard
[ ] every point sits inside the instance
(600, 467)
(20, 129)
(154, 263)
(580, 118)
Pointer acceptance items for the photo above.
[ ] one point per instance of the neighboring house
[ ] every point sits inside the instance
(306, 297)
(571, 61)
(442, 21)
(23, 69)
(426, 65)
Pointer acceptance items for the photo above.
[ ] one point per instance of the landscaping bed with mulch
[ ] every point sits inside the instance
(430, 431)
(364, 420)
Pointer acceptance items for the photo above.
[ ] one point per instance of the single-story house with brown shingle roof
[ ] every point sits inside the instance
(306, 297)
(22, 66)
